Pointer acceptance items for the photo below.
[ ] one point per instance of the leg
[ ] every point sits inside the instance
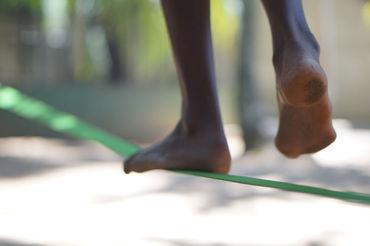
(305, 111)
(300, 79)
(198, 142)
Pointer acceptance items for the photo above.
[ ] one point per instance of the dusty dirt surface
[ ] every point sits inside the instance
(60, 192)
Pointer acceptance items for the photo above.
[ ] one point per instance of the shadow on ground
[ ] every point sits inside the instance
(51, 155)
(6, 242)
(182, 243)
(27, 157)
(218, 194)
(11, 167)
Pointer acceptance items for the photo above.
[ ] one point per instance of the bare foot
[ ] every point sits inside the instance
(304, 130)
(300, 79)
(305, 111)
(184, 150)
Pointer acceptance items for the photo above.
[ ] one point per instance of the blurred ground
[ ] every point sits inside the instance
(62, 192)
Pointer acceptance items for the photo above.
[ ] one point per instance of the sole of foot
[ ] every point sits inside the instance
(304, 86)
(301, 81)
(304, 130)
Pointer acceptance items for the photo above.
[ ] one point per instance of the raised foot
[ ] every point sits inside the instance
(178, 151)
(305, 130)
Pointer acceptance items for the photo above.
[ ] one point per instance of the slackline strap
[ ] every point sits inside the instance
(15, 102)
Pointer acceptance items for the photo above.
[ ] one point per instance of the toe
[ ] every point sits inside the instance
(127, 164)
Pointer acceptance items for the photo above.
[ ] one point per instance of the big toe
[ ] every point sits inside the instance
(144, 161)
(129, 163)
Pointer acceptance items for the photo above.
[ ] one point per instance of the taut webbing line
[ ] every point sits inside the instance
(14, 101)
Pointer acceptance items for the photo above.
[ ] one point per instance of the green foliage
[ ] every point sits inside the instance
(141, 30)
(14, 4)
(366, 13)
(225, 22)
(138, 28)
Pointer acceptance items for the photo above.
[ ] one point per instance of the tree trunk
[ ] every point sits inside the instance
(250, 107)
(117, 69)
(78, 41)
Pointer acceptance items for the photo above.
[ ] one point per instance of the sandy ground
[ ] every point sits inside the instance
(58, 192)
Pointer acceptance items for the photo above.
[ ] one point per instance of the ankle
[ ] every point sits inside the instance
(200, 129)
(198, 120)
(297, 47)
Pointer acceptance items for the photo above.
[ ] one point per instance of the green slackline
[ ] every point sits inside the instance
(14, 101)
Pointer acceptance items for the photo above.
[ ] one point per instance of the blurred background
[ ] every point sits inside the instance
(109, 62)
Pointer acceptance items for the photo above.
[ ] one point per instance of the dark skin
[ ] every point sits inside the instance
(305, 112)
(198, 141)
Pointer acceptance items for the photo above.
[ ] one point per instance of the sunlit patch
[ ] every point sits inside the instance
(366, 13)
(234, 140)
(352, 147)
(55, 22)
